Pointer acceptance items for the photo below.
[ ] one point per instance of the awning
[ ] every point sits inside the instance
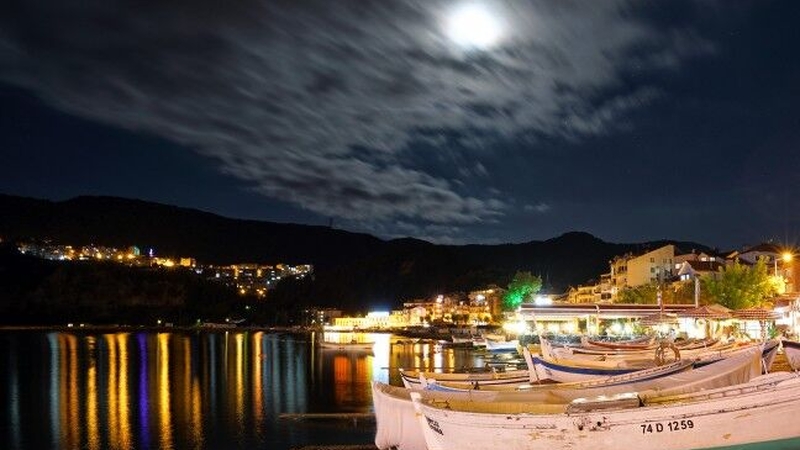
(658, 319)
(755, 314)
(714, 311)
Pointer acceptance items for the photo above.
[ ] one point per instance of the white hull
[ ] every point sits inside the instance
(760, 411)
(792, 351)
(347, 346)
(502, 346)
(413, 379)
(644, 375)
(397, 426)
(557, 357)
(574, 373)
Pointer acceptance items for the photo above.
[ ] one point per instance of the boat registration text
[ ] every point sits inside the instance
(661, 427)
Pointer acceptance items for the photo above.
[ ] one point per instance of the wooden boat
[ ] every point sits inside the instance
(351, 346)
(605, 353)
(565, 372)
(479, 342)
(763, 410)
(700, 355)
(792, 351)
(461, 339)
(636, 344)
(502, 346)
(630, 378)
(396, 425)
(414, 378)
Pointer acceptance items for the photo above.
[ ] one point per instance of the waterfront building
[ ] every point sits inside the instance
(376, 320)
(593, 319)
(651, 267)
(320, 316)
(479, 307)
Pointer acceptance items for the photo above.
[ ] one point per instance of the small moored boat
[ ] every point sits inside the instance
(352, 345)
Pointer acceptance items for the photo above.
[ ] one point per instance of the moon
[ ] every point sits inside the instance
(473, 26)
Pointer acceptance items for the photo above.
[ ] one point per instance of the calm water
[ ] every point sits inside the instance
(193, 390)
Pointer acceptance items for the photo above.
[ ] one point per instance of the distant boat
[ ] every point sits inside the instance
(461, 339)
(482, 376)
(502, 346)
(351, 346)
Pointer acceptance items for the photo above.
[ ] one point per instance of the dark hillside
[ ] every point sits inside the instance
(352, 270)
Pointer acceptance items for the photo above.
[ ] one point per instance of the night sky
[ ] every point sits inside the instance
(450, 121)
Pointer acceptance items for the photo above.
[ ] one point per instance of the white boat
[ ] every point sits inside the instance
(644, 343)
(479, 342)
(461, 339)
(641, 376)
(574, 372)
(762, 410)
(397, 426)
(557, 357)
(351, 346)
(415, 378)
(792, 351)
(502, 346)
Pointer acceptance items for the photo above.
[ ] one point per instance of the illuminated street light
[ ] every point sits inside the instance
(786, 257)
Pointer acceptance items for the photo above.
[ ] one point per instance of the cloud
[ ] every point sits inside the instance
(540, 208)
(319, 103)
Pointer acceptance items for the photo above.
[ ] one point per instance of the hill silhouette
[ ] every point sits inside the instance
(352, 270)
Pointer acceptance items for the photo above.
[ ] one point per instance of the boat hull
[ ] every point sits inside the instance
(398, 428)
(736, 417)
(792, 351)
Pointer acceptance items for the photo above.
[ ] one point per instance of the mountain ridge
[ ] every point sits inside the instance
(353, 269)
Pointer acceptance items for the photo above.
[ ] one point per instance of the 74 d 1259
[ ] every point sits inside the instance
(661, 427)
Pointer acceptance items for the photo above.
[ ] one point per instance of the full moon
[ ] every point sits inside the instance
(473, 26)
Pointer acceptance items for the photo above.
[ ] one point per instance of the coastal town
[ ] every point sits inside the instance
(659, 287)
(245, 278)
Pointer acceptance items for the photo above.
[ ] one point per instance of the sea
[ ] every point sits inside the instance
(198, 389)
(142, 389)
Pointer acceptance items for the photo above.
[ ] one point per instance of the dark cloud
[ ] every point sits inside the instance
(320, 104)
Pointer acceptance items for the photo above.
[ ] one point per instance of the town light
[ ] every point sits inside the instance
(786, 257)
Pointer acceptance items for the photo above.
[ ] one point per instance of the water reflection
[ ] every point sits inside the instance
(191, 390)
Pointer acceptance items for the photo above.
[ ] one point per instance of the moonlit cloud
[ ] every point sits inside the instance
(324, 104)
(540, 208)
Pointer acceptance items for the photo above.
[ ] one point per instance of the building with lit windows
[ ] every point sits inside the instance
(651, 267)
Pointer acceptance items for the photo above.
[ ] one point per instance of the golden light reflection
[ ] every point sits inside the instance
(351, 375)
(123, 403)
(69, 390)
(155, 390)
(341, 376)
(438, 359)
(164, 411)
(92, 425)
(239, 379)
(257, 393)
(197, 415)
(112, 389)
